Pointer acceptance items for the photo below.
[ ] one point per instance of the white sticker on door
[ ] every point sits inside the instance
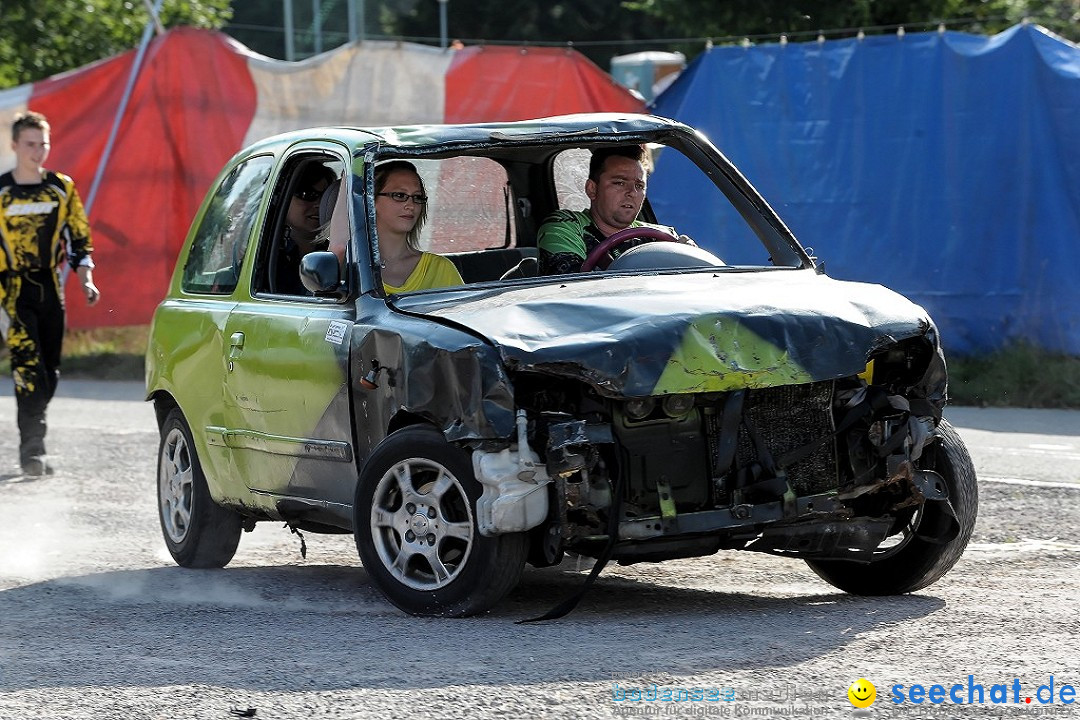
(336, 332)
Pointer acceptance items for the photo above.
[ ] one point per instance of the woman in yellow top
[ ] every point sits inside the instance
(400, 213)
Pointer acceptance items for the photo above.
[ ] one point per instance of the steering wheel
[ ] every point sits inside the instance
(616, 239)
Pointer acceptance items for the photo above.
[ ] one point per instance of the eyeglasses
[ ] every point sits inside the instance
(403, 197)
(309, 195)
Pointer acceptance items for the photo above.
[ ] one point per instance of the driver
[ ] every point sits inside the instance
(616, 191)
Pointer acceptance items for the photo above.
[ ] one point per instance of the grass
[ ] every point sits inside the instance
(114, 353)
(1018, 376)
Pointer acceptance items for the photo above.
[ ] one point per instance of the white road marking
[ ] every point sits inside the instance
(1032, 483)
(1025, 545)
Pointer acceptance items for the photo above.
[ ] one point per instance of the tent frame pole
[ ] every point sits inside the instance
(136, 66)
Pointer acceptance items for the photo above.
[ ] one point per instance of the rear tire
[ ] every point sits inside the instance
(919, 562)
(198, 532)
(415, 526)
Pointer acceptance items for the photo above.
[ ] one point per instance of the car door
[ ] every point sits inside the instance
(188, 335)
(287, 404)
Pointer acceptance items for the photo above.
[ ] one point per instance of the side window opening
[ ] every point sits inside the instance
(680, 194)
(681, 190)
(297, 222)
(470, 205)
(473, 215)
(220, 244)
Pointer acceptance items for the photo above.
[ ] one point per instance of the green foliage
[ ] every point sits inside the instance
(601, 28)
(696, 18)
(39, 38)
(1019, 376)
(598, 28)
(260, 25)
(530, 21)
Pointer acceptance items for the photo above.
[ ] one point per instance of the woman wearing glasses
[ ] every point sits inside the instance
(400, 213)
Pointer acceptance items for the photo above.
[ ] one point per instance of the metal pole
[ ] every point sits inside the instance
(442, 24)
(363, 22)
(351, 10)
(286, 11)
(154, 17)
(316, 25)
(136, 65)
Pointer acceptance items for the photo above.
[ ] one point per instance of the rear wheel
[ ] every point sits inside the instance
(198, 532)
(416, 531)
(921, 552)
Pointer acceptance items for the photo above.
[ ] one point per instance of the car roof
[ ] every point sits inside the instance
(583, 127)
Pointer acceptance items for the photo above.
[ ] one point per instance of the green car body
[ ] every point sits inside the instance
(641, 413)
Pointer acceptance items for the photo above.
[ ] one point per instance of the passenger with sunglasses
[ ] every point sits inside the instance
(302, 227)
(400, 213)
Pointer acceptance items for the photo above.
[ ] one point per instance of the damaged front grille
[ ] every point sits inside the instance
(791, 417)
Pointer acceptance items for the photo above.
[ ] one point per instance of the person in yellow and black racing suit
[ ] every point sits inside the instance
(42, 223)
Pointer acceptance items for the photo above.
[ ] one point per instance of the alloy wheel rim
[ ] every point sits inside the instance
(175, 475)
(422, 524)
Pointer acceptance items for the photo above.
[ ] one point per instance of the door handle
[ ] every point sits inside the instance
(236, 345)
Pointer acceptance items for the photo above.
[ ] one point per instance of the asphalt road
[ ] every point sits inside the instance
(97, 622)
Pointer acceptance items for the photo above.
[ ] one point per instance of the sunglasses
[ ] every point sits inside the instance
(402, 197)
(309, 195)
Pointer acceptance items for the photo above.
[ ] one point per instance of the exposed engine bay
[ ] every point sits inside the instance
(827, 469)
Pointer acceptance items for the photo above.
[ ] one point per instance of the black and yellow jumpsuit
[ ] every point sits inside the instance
(41, 225)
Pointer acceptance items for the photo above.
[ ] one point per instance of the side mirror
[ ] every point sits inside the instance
(320, 273)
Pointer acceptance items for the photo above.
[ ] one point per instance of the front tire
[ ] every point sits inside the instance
(198, 532)
(416, 532)
(920, 561)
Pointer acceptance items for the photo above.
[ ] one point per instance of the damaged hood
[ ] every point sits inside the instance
(679, 333)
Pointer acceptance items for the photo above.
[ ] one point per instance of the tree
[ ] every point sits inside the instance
(601, 28)
(598, 28)
(696, 18)
(39, 38)
(260, 25)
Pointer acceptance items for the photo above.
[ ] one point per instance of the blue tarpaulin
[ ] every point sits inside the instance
(943, 165)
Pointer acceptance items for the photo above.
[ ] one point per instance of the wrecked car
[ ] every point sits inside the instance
(681, 401)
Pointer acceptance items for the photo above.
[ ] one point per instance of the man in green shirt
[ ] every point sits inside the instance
(616, 191)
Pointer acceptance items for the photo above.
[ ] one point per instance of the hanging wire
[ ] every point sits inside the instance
(594, 47)
(791, 36)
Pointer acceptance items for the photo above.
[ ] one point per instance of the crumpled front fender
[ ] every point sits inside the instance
(438, 374)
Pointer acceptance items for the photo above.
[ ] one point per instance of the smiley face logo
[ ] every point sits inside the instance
(862, 693)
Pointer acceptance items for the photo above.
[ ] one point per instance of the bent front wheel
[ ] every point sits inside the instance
(416, 532)
(926, 546)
